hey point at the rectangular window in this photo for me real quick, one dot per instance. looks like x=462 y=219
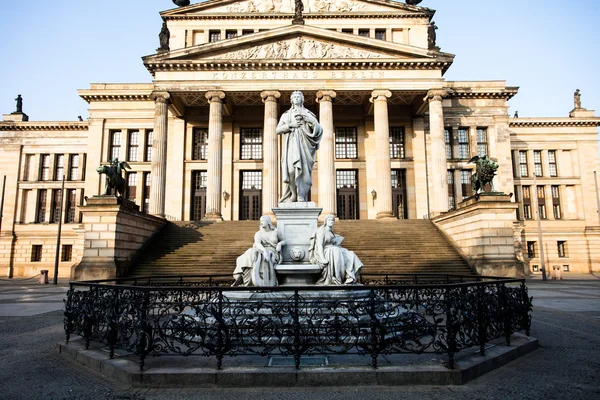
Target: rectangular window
x=516 y=192
x=230 y=34
x=523 y=163
x=448 y=140
x=380 y=34
x=36 y=253
x=565 y=268
x=67 y=252
x=59 y=169
x=363 y=32
x=556 y=202
x=346 y=145
x=451 y=196
x=74 y=171
x=26 y=196
x=251 y=144
x=465 y=180
x=147 y=181
x=347 y=30
x=131 y=186
x=55 y=210
x=346 y=178
x=134 y=142
x=397 y=148
x=200 y=150
x=463 y=144
x=149 y=134
x=41 y=206
x=535 y=268
x=27 y=166
x=527 y=202
x=537 y=162
x=531 y=249
x=214 y=35
x=251 y=180
x=247 y=32
x=482 y=142
x=552 y=161
x=562 y=248
x=71 y=206
x=115 y=145
x=45 y=167
x=541 y=193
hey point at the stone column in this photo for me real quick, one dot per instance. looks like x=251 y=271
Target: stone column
x=270 y=164
x=438 y=175
x=327 y=186
x=159 y=153
x=215 y=155
x=382 y=144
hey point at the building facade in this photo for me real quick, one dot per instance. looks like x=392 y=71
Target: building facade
x=201 y=140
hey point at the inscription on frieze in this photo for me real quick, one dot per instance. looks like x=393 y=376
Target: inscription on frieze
x=297 y=75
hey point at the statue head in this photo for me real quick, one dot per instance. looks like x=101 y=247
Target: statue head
x=265 y=222
x=297 y=98
x=329 y=220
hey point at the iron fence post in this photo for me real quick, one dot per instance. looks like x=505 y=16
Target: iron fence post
x=374 y=323
x=296 y=329
x=506 y=314
x=451 y=335
x=481 y=319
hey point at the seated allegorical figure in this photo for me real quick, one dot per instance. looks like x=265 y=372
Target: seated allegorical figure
x=256 y=267
x=339 y=266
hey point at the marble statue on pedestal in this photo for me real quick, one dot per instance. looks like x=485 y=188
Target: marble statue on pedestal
x=114 y=177
x=339 y=266
x=302 y=134
x=256 y=267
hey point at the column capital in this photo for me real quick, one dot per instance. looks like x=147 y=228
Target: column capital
x=435 y=95
x=161 y=97
x=326 y=95
x=270 y=95
x=380 y=95
x=215 y=96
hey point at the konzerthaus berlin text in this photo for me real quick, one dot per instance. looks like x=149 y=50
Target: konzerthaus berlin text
x=201 y=140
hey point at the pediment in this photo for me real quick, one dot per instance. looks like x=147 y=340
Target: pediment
x=212 y=7
x=298 y=42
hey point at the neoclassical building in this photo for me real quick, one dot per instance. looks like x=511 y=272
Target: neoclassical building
x=201 y=139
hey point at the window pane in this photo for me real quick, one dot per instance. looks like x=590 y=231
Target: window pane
x=251 y=146
x=200 y=150
x=346 y=143
x=397 y=148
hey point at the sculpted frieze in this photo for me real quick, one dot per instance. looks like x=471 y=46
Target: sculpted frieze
x=299 y=48
x=286 y=6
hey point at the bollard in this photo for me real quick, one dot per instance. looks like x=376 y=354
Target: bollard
x=44 y=277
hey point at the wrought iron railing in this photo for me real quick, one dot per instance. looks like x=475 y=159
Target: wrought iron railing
x=388 y=314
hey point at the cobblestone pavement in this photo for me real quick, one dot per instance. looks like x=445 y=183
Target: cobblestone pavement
x=566 y=320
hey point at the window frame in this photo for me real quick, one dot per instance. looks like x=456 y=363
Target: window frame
x=251 y=143
x=344 y=149
x=397 y=143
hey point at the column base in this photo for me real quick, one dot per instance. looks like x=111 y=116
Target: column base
x=213 y=217
x=385 y=215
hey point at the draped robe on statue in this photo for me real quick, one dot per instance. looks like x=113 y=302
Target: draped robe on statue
x=299 y=148
x=339 y=266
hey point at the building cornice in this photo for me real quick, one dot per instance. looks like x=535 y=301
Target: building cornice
x=553 y=122
x=44 y=126
x=505 y=94
x=307 y=17
x=89 y=97
x=225 y=65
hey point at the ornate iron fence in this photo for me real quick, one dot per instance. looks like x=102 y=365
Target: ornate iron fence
x=392 y=314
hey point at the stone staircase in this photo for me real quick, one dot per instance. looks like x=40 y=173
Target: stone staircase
x=398 y=246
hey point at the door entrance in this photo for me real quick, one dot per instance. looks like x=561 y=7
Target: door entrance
x=251 y=195
x=347 y=194
x=198 y=195
x=399 y=193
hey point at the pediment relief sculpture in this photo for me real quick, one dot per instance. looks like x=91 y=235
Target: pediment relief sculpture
x=298 y=48
x=310 y=6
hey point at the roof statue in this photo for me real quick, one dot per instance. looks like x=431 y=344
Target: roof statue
x=413 y=2
x=164 y=36
x=19 y=101
x=182 y=3
x=577 y=99
x=298 y=17
x=432 y=36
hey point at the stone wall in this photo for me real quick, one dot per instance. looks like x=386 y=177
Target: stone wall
x=482 y=229
x=114 y=235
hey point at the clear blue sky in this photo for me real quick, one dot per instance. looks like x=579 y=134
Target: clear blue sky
x=49 y=49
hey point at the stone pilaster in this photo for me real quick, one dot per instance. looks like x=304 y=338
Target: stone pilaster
x=438 y=175
x=159 y=153
x=327 y=187
x=382 y=144
x=215 y=155
x=270 y=165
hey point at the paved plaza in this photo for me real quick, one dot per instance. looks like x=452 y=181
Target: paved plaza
x=566 y=320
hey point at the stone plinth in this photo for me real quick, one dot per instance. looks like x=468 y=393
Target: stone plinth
x=115 y=232
x=297 y=222
x=482 y=229
x=15 y=117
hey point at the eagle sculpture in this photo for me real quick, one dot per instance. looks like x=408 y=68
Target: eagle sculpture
x=182 y=3
x=484 y=173
x=413 y=2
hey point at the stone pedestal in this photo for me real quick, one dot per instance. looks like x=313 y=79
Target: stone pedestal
x=115 y=232
x=297 y=222
x=482 y=229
